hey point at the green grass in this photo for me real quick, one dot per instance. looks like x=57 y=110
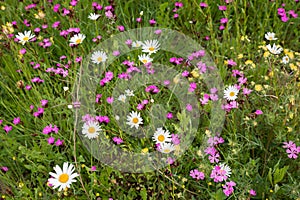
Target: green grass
x=253 y=143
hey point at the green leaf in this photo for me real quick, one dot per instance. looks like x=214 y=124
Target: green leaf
x=279 y=174
x=143 y=193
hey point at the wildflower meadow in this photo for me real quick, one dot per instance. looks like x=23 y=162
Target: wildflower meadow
x=115 y=99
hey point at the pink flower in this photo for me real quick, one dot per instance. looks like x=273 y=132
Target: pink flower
x=289 y=144
x=93 y=168
x=50 y=140
x=175 y=139
x=59 y=142
x=222 y=8
x=152 y=22
x=16 y=120
x=228 y=188
x=189 y=107
x=203 y=5
x=7 y=128
x=157 y=32
x=170 y=160
x=175 y=16
x=252 y=192
x=44 y=102
x=169 y=115
x=22 y=51
x=197 y=174
x=56 y=7
x=116 y=53
x=246 y=91
x=231 y=62
x=117 y=140
x=121 y=28
x=258 y=112
x=224 y=20
x=110 y=100
x=4 y=169
x=139 y=20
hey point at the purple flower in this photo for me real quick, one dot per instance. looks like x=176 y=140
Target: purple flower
x=44 y=102
x=3 y=168
x=22 y=51
x=222 y=8
x=56 y=7
x=110 y=100
x=93 y=168
x=258 y=112
x=252 y=192
x=16 y=120
x=224 y=20
x=59 y=142
x=152 y=22
x=139 y=20
x=197 y=174
x=50 y=140
x=203 y=5
x=169 y=115
x=175 y=139
x=121 y=28
x=7 y=128
x=189 y=107
x=117 y=140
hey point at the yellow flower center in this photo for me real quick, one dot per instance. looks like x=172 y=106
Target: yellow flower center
x=26 y=38
x=63 y=178
x=78 y=41
x=144 y=61
x=167 y=150
x=135 y=120
x=92 y=130
x=231 y=94
x=151 y=49
x=161 y=138
x=99 y=59
x=270 y=38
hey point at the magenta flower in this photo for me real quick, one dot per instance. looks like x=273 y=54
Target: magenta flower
x=116 y=53
x=121 y=28
x=258 y=112
x=152 y=22
x=56 y=7
x=110 y=100
x=22 y=51
x=44 y=102
x=170 y=160
x=169 y=115
x=157 y=32
x=7 y=128
x=203 y=5
x=16 y=120
x=50 y=140
x=4 y=169
x=189 y=107
x=175 y=139
x=139 y=20
x=222 y=8
x=252 y=192
x=228 y=188
x=117 y=140
x=289 y=144
x=93 y=168
x=59 y=142
x=185 y=73
x=224 y=20
x=197 y=174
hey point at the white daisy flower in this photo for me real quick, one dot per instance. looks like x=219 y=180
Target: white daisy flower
x=77 y=39
x=91 y=129
x=150 y=46
x=134 y=120
x=231 y=93
x=64 y=177
x=122 y=98
x=161 y=136
x=145 y=58
x=129 y=93
x=225 y=168
x=66 y=88
x=98 y=57
x=270 y=36
x=166 y=147
x=23 y=38
x=93 y=16
x=274 y=49
x=136 y=44
x=285 y=59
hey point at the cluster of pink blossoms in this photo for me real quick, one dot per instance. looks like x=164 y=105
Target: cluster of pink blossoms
x=291 y=149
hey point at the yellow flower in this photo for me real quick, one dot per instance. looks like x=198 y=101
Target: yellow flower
x=145 y=150
x=195 y=73
x=258 y=88
x=289 y=129
x=225 y=62
x=40 y=15
x=240 y=56
x=291 y=55
x=2 y=7
x=293 y=67
x=266 y=54
x=250 y=62
x=21 y=185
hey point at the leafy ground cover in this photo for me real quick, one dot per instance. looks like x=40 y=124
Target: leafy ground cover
x=236 y=137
